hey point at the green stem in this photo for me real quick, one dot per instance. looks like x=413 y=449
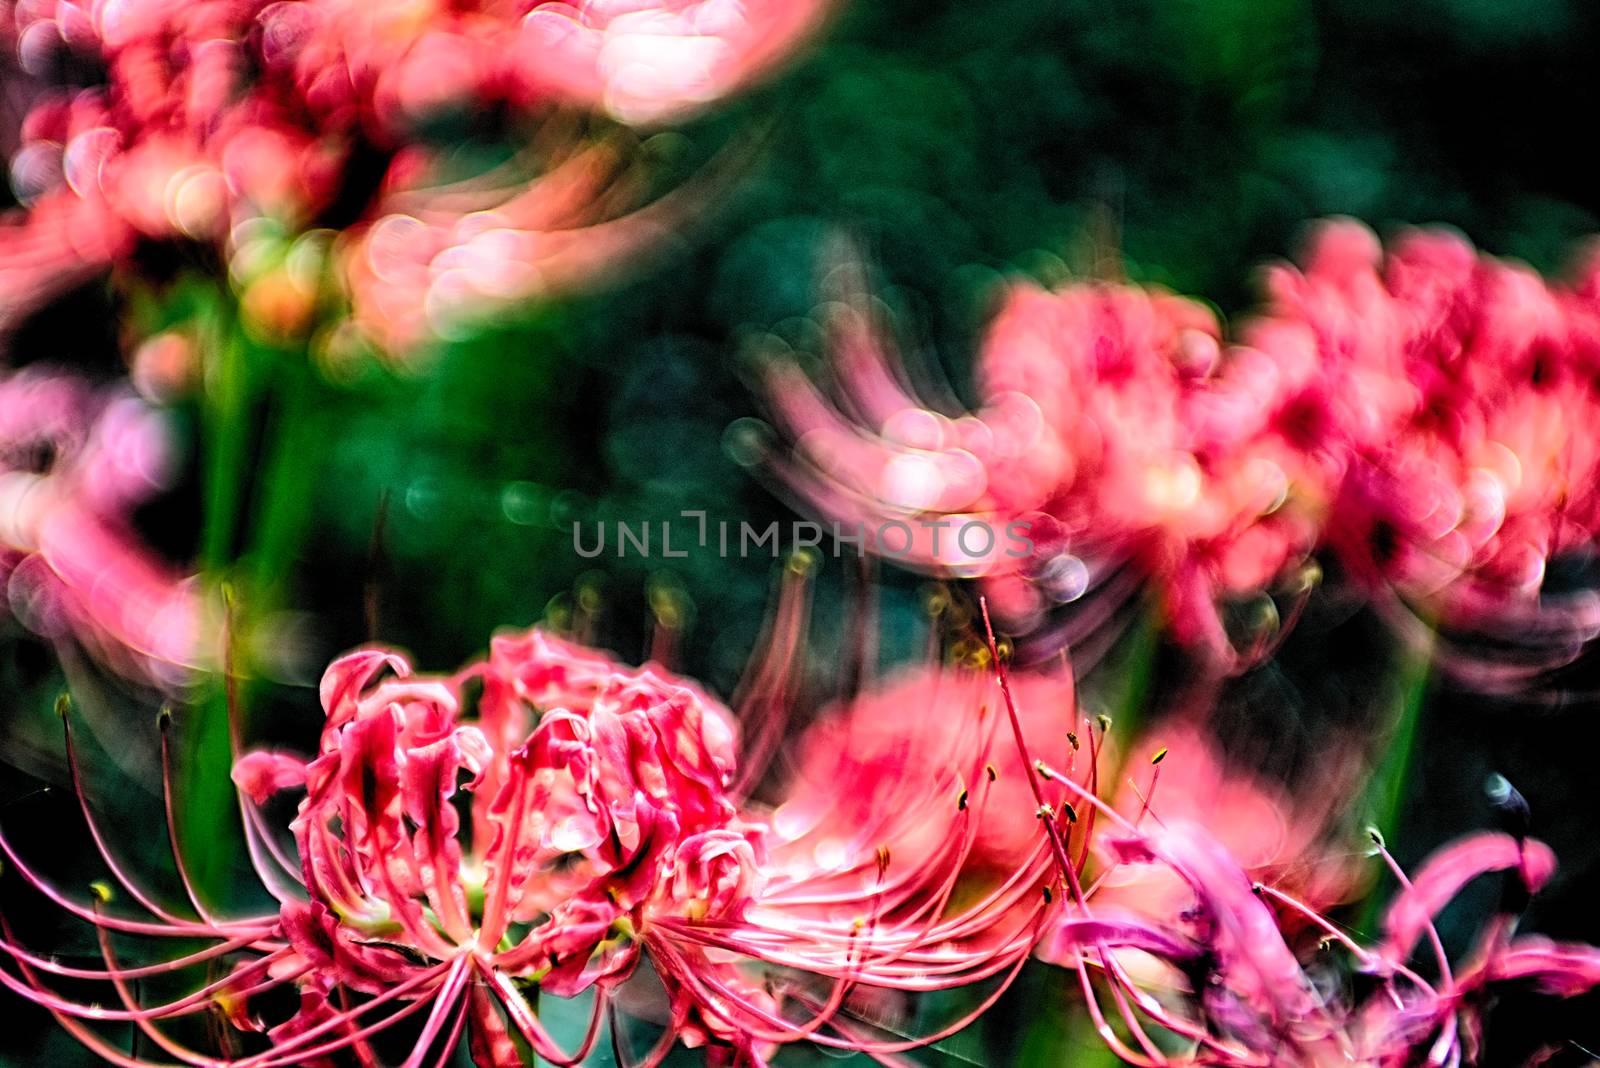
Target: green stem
x=208 y=827
x=283 y=500
x=225 y=429
x=1386 y=791
x=244 y=373
x=1137 y=668
x=209 y=841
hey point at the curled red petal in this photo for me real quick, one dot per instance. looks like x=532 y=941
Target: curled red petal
x=262 y=774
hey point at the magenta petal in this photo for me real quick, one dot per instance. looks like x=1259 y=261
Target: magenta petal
x=1069 y=938
x=1444 y=874
x=1247 y=933
x=1561 y=969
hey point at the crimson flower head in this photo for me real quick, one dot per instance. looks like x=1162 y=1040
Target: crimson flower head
x=597 y=804
x=547 y=821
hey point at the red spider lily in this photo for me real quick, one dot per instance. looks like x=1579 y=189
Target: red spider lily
x=1116 y=427
x=219 y=114
x=1461 y=388
x=1422 y=414
x=73 y=464
x=1233 y=991
x=603 y=834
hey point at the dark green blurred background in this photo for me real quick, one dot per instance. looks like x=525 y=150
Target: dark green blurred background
x=1184 y=141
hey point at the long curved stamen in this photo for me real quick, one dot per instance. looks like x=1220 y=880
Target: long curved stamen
x=64 y=710
x=1057 y=846
x=1096 y=745
x=165 y=720
x=53 y=967
x=1434 y=941
x=32 y=988
x=1147 y=796
x=658 y=1052
x=142 y=1018
x=765 y=697
x=527 y=1022
x=257 y=837
x=190 y=1003
x=905 y=965
x=1366 y=957
x=452 y=1042
x=1102 y=1027
x=266 y=856
x=177 y=929
x=75 y=1027
x=1153 y=1053
x=445 y=1003
x=724 y=993
x=1038 y=770
x=1445 y=1047
x=279 y=1055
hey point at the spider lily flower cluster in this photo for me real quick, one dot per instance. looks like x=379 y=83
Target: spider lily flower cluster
x=603 y=848
x=227 y=122
x=1418 y=414
x=74 y=462
x=578 y=827
x=1218 y=982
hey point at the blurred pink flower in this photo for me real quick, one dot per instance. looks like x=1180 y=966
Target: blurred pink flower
x=867 y=759
x=1287 y=839
x=62 y=242
x=74 y=462
x=184 y=140
x=438 y=257
x=1212 y=963
x=1115 y=425
x=1461 y=388
x=641 y=61
x=1422 y=414
x=219 y=114
x=656 y=60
